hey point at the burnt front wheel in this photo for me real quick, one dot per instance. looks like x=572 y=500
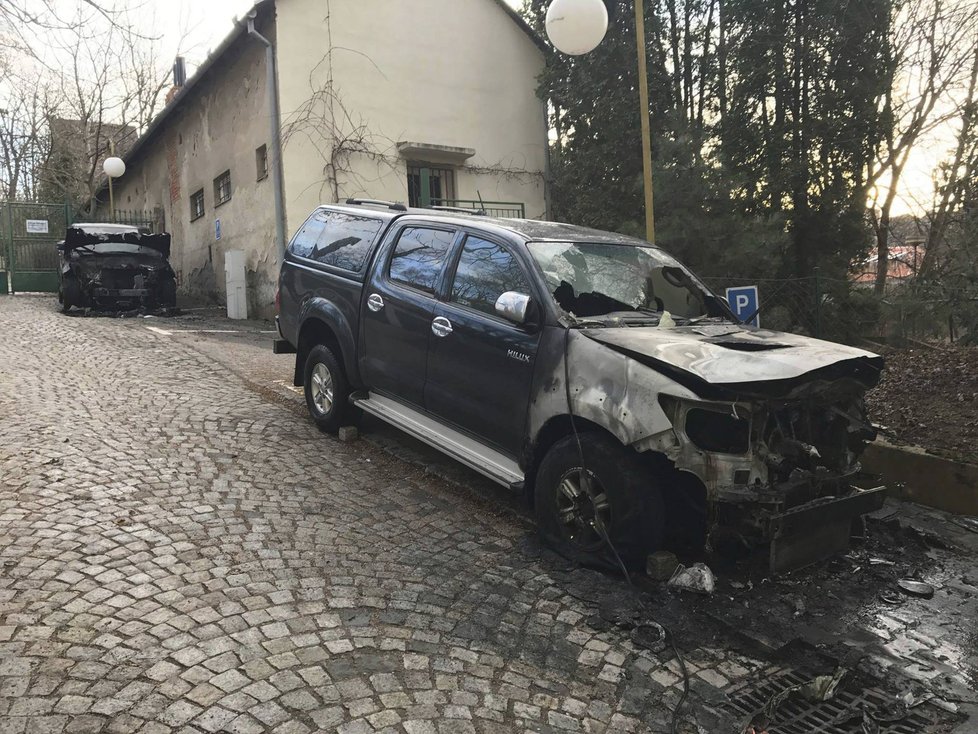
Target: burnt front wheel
x=69 y=294
x=611 y=500
x=327 y=390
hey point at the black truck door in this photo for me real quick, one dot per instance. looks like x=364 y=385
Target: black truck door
x=480 y=366
x=399 y=308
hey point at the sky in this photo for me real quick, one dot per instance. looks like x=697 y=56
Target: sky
x=195 y=27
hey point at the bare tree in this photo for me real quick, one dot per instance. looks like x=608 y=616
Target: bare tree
x=109 y=84
x=25 y=105
x=959 y=173
x=931 y=50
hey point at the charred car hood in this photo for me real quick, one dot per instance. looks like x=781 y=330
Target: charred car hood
x=76 y=237
x=734 y=356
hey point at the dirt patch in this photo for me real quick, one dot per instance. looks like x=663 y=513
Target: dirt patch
x=929 y=397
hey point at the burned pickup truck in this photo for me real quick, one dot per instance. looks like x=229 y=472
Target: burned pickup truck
x=589 y=370
x=115 y=267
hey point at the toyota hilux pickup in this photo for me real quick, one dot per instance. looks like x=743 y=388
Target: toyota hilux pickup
x=589 y=370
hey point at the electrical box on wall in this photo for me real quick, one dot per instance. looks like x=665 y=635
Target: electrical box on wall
x=234 y=273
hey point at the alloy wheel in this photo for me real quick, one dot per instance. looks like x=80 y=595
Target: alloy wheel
x=322 y=388
x=583 y=509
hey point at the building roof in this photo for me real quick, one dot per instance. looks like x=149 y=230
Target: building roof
x=524 y=26
x=240 y=29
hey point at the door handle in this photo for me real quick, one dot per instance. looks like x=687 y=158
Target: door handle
x=441 y=326
x=375 y=303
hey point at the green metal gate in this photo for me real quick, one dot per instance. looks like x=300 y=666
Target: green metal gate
x=29 y=233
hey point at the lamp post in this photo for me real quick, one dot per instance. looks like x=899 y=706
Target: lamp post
x=577 y=27
x=113 y=167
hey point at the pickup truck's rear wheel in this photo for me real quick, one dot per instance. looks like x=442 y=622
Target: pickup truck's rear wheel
x=327 y=390
x=616 y=500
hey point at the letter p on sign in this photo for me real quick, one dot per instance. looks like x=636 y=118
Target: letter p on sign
x=744 y=301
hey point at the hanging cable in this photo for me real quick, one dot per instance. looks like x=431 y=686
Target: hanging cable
x=602 y=531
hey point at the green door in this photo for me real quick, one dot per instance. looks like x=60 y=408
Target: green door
x=30 y=233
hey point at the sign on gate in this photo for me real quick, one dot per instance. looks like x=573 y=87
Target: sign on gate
x=745 y=302
x=36 y=226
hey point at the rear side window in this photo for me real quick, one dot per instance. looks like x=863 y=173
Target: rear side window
x=337 y=239
x=486 y=271
x=418 y=258
x=346 y=240
x=305 y=240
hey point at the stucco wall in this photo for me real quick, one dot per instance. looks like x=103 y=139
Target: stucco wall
x=446 y=72
x=217 y=127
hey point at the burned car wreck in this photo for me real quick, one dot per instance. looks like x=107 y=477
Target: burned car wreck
x=114 y=267
x=591 y=371
x=761 y=431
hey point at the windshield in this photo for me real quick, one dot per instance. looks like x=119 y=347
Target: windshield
x=589 y=280
x=117 y=248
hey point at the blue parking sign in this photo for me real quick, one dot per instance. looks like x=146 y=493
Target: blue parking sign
x=744 y=301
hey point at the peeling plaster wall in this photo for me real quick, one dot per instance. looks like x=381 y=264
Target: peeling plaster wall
x=218 y=126
x=448 y=72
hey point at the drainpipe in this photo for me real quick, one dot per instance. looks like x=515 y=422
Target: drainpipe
x=271 y=74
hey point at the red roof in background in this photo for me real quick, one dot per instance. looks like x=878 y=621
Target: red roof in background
x=904 y=261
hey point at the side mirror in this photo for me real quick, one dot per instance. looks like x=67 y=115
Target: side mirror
x=513 y=306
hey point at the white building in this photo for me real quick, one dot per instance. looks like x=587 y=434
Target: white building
x=417 y=101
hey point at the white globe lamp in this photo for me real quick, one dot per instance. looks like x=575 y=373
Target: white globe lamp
x=576 y=27
x=114 y=167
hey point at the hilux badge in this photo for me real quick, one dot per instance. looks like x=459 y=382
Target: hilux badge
x=519 y=356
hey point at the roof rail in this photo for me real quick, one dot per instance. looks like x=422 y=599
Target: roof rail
x=460 y=210
x=377 y=202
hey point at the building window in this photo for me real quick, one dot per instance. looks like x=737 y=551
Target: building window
x=440 y=190
x=222 y=188
x=261 y=162
x=196 y=205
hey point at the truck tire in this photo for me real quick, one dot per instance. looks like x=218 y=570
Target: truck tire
x=327 y=390
x=68 y=293
x=622 y=491
x=168 y=293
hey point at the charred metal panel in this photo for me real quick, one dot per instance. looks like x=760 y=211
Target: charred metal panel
x=606 y=387
x=732 y=355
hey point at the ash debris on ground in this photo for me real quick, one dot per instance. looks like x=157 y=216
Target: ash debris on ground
x=928 y=396
x=848 y=612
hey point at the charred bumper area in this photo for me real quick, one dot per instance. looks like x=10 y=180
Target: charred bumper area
x=778 y=471
x=126 y=288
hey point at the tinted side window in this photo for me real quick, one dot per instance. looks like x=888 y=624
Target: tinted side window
x=345 y=241
x=418 y=257
x=305 y=240
x=486 y=271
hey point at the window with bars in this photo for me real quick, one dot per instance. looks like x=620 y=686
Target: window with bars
x=440 y=185
x=197 y=205
x=261 y=162
x=222 y=188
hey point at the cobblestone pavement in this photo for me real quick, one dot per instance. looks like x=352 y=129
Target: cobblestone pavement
x=179 y=552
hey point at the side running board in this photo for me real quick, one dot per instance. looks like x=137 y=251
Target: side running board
x=498 y=467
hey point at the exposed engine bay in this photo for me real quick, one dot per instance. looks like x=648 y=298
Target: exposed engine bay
x=771 y=425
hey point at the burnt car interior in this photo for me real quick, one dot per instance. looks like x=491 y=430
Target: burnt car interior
x=594 y=280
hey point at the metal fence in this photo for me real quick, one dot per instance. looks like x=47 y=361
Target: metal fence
x=30 y=230
x=507 y=209
x=843 y=311
x=151 y=219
